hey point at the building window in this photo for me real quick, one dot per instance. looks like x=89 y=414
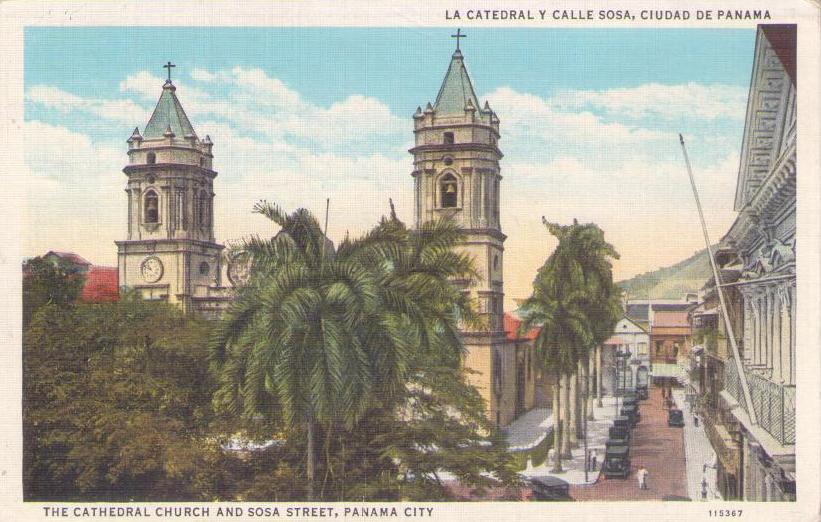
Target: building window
x=151 y=158
x=448 y=161
x=203 y=209
x=496 y=261
x=204 y=268
x=659 y=347
x=152 y=207
x=447 y=138
x=449 y=189
x=642 y=348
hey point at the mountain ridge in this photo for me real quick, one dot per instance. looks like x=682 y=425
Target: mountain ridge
x=671 y=282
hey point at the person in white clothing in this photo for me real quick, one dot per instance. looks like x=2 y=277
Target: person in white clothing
x=642 y=477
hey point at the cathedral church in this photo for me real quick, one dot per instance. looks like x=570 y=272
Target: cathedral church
x=171 y=254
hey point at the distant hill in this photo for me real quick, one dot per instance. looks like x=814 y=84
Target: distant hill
x=671 y=282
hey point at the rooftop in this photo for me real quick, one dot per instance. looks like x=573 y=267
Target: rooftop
x=101 y=285
x=168 y=114
x=670 y=319
x=457 y=89
x=511 y=325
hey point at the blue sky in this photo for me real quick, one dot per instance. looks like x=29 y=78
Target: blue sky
x=588 y=120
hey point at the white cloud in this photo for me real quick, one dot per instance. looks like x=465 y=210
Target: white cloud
x=252 y=102
x=654 y=100
x=54 y=98
x=75 y=193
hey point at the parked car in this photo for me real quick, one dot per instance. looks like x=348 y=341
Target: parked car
x=549 y=488
x=631 y=412
x=642 y=392
x=616 y=462
x=622 y=421
x=619 y=433
x=675 y=417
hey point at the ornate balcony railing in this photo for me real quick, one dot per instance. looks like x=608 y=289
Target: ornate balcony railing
x=722 y=442
x=774 y=403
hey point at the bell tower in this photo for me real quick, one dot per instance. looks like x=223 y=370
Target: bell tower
x=456 y=174
x=170 y=253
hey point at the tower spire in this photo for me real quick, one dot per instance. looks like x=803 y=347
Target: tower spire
x=168 y=66
x=456 y=90
x=458 y=35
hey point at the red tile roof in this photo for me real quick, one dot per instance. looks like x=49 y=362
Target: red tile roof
x=511 y=325
x=670 y=319
x=101 y=285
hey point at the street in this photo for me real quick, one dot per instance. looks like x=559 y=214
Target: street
x=657 y=447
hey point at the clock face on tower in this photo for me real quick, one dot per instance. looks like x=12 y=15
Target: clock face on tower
x=151 y=269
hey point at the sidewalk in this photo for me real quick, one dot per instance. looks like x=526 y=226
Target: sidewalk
x=573 y=468
x=698 y=451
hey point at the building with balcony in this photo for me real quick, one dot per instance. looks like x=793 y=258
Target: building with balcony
x=709 y=357
x=761 y=419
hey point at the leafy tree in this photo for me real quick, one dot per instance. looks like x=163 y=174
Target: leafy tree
x=45 y=282
x=346 y=345
x=116 y=405
x=575 y=305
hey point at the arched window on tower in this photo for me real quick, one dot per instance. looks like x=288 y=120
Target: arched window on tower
x=447 y=138
x=449 y=191
x=151 y=158
x=152 y=207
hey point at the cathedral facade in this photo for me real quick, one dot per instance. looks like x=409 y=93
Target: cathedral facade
x=171 y=254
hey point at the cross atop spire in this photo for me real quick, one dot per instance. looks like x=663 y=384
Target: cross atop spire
x=169 y=65
x=458 y=35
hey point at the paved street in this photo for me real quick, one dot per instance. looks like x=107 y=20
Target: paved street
x=658 y=448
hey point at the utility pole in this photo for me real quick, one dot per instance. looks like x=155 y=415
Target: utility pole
x=727 y=324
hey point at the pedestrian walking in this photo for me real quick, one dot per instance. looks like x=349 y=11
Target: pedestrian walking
x=594 y=457
x=642 y=477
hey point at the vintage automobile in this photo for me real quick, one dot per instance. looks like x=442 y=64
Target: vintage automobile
x=641 y=392
x=549 y=488
x=622 y=421
x=631 y=412
x=631 y=401
x=619 y=434
x=616 y=462
x=675 y=417
x=613 y=442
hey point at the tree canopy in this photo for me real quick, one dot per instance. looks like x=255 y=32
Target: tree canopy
x=363 y=338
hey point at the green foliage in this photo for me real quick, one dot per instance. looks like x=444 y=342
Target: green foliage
x=536 y=455
x=708 y=337
x=45 y=282
x=342 y=345
x=574 y=302
x=116 y=405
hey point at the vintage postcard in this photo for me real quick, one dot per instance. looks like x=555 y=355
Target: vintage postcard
x=413 y=261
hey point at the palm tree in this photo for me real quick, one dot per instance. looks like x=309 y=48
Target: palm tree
x=571 y=303
x=319 y=336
